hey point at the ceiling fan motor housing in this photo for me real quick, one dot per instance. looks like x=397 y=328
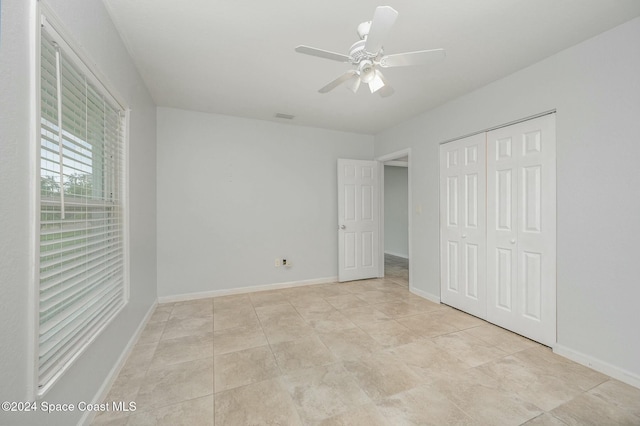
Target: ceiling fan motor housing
x=358 y=54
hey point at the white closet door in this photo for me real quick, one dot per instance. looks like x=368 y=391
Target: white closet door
x=521 y=228
x=463 y=224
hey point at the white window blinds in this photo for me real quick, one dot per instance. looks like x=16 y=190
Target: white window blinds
x=82 y=250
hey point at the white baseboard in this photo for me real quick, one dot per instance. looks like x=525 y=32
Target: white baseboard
x=404 y=256
x=89 y=415
x=430 y=297
x=598 y=365
x=240 y=290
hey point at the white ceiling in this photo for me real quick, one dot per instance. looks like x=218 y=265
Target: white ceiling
x=237 y=57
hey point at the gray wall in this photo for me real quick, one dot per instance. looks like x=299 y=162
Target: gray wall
x=89 y=24
x=234 y=194
x=396 y=215
x=595 y=87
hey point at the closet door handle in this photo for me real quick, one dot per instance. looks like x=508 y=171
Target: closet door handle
x=513 y=241
x=464 y=235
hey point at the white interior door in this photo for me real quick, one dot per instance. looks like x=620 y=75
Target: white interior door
x=521 y=228
x=357 y=219
x=463 y=224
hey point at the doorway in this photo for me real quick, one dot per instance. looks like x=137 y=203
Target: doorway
x=395 y=217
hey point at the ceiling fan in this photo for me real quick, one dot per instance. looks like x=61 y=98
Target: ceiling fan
x=368 y=55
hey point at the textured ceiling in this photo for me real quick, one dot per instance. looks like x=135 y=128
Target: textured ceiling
x=237 y=57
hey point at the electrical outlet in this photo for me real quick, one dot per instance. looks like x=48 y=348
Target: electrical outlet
x=284 y=262
x=277 y=262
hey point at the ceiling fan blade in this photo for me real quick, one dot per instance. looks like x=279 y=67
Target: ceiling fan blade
x=354 y=84
x=383 y=20
x=338 y=81
x=323 y=53
x=421 y=57
x=386 y=90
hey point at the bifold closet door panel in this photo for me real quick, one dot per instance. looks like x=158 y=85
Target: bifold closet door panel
x=463 y=224
x=521 y=228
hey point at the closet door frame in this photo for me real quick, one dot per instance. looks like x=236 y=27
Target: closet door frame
x=519 y=250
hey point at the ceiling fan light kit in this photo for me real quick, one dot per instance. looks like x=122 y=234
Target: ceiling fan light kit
x=367 y=55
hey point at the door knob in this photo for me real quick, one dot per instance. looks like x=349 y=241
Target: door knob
x=342 y=227
x=464 y=235
x=513 y=241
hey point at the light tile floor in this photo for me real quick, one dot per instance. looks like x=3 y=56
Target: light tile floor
x=358 y=353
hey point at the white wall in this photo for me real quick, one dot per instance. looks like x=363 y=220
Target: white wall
x=396 y=215
x=89 y=24
x=234 y=194
x=595 y=87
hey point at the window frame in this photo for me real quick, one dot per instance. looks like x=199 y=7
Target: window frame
x=44 y=17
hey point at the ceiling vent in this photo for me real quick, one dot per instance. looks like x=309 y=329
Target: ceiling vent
x=285 y=116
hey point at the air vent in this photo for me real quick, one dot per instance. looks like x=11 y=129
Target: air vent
x=285 y=116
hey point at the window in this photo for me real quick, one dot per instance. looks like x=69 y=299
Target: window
x=81 y=258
